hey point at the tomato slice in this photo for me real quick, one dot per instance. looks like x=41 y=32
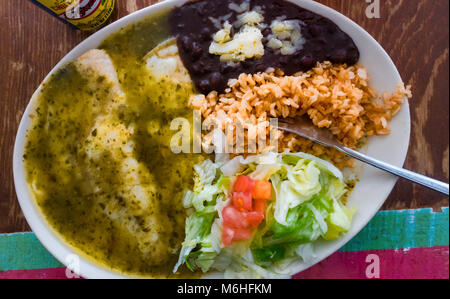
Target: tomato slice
x=259 y=205
x=242 y=201
x=262 y=190
x=233 y=218
x=254 y=218
x=227 y=235
x=243 y=184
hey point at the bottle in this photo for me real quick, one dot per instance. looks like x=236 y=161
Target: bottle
x=82 y=14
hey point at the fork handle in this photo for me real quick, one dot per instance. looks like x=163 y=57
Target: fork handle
x=409 y=175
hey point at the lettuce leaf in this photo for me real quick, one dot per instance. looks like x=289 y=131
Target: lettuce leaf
x=302 y=225
x=308 y=193
x=324 y=165
x=269 y=254
x=302 y=182
x=198 y=226
x=205 y=173
x=339 y=221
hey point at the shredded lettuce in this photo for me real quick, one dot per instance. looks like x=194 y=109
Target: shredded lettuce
x=305 y=206
x=200 y=229
x=205 y=196
x=302 y=182
x=198 y=226
x=205 y=173
x=324 y=165
x=306 y=252
x=269 y=254
x=339 y=221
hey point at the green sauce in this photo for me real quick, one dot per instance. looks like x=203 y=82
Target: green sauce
x=78 y=194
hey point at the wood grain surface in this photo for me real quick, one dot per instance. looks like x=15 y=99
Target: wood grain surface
x=413 y=32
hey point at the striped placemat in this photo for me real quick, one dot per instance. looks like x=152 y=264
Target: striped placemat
x=395 y=244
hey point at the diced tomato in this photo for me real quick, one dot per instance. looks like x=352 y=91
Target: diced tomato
x=230 y=234
x=242 y=234
x=247 y=210
x=259 y=205
x=227 y=235
x=243 y=184
x=254 y=218
x=233 y=218
x=262 y=190
x=242 y=201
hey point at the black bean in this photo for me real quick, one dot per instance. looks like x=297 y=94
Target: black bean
x=314 y=30
x=226 y=68
x=324 y=41
x=352 y=55
x=260 y=67
x=307 y=61
x=332 y=28
x=318 y=49
x=245 y=64
x=284 y=60
x=203 y=9
x=205 y=33
x=215 y=80
x=177 y=13
x=267 y=31
x=197 y=68
x=306 y=15
x=204 y=84
x=339 y=56
x=186 y=42
x=197 y=50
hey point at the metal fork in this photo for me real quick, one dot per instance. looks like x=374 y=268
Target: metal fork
x=306 y=129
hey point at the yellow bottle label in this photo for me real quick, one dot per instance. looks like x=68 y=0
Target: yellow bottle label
x=83 y=14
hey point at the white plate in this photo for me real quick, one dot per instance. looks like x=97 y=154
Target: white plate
x=368 y=196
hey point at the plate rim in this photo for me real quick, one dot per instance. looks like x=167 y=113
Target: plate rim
x=59 y=247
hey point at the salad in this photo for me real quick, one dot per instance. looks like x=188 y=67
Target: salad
x=253 y=217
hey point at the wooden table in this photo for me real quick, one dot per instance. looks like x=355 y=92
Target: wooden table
x=413 y=32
